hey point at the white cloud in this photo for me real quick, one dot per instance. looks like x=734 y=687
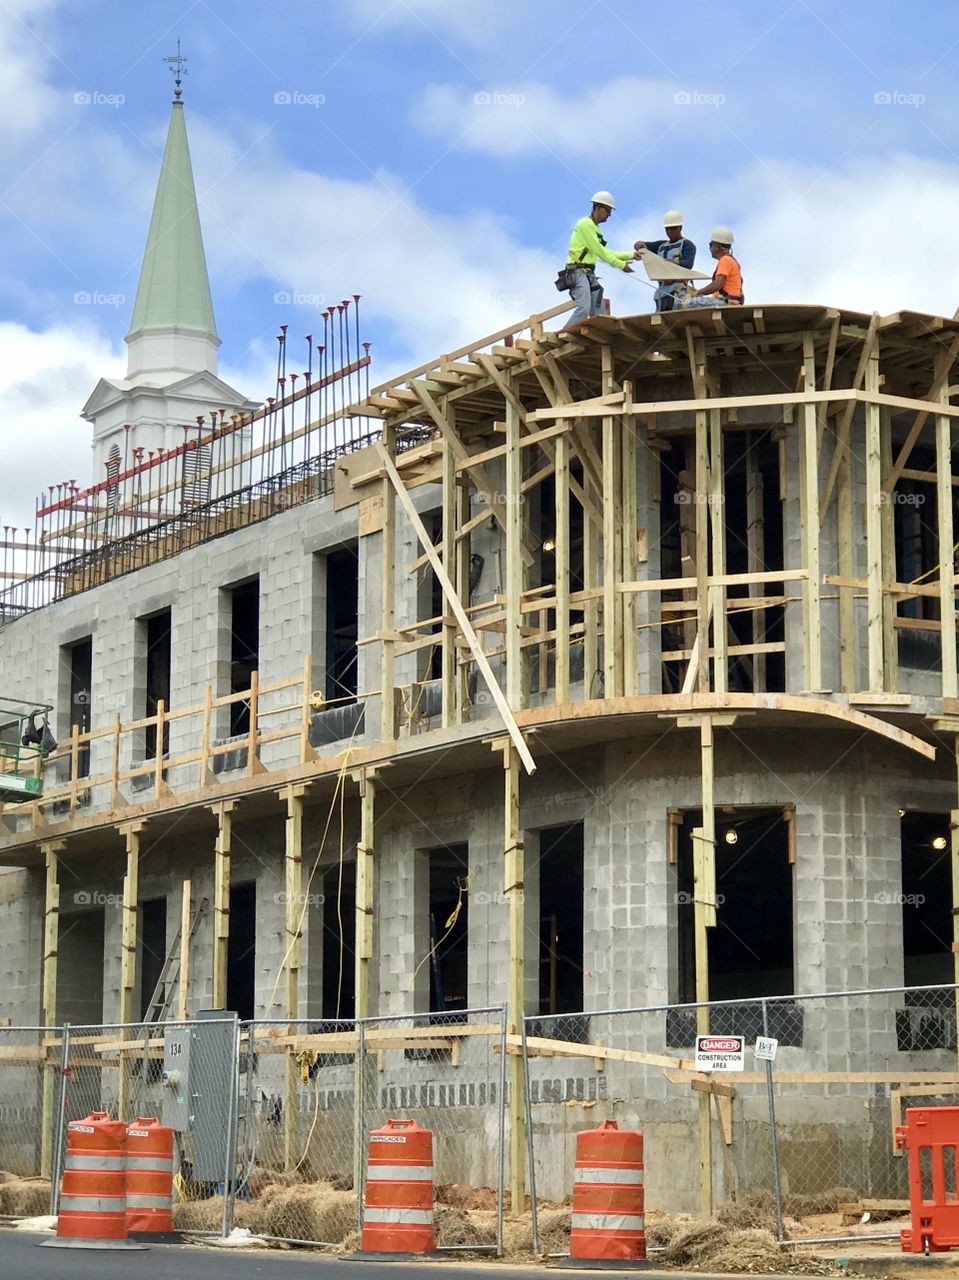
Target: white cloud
x=28 y=103
x=474 y=21
x=613 y=120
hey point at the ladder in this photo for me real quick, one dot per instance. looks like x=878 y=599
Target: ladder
x=162 y=998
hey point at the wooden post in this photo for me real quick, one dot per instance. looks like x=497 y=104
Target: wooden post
x=717 y=529
x=462 y=589
x=809 y=507
x=873 y=530
x=51 y=943
x=388 y=595
x=947 y=590
x=702 y=552
x=448 y=655
x=221 y=899
x=293 y=863
x=205 y=745
x=629 y=560
x=612 y=543
x=515 y=894
x=562 y=568
x=185 y=925
x=890 y=651
x=306 y=751
x=365 y=890
x=848 y=646
x=128 y=954
x=158 y=787
x=515 y=663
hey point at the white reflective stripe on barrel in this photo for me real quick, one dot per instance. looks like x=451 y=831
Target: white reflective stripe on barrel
x=608 y=1221
x=95 y=1164
x=92 y=1204
x=400 y=1172
x=135 y=1201
x=421 y=1217
x=633 y=1177
x=149 y=1164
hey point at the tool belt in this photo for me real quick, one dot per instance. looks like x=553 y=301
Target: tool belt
x=735 y=298
x=567 y=276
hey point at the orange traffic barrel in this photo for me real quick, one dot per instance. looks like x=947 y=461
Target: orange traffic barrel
x=93 y=1189
x=149 y=1176
x=608 y=1196
x=398 y=1206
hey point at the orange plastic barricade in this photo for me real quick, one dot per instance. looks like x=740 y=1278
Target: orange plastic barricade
x=931 y=1137
x=149 y=1176
x=398 y=1206
x=93 y=1189
x=608 y=1195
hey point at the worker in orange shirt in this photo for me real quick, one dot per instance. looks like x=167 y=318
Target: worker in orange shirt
x=726 y=287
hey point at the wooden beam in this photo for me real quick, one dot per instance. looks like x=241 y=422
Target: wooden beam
x=292 y=957
x=612 y=543
x=562 y=569
x=890 y=653
x=717 y=530
x=938 y=391
x=513 y=574
x=51 y=943
x=449 y=553
x=874 y=499
x=456 y=605
x=186 y=912
x=629 y=559
x=947 y=590
x=128 y=949
x=809 y=480
x=388 y=594
x=223 y=850
x=515 y=891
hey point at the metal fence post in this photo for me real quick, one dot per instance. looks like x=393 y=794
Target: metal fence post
x=774 y=1138
x=501 y=1184
x=359 y=1127
x=229 y=1176
x=60 y=1122
x=530 y=1146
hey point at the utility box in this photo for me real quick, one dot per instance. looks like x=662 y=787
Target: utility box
x=213 y=1089
x=177 y=1098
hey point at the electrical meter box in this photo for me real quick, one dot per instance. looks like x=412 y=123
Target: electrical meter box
x=177 y=1096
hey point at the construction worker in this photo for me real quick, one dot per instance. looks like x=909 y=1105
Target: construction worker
x=675 y=248
x=726 y=287
x=585 y=246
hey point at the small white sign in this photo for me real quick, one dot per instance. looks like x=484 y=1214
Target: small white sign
x=766 y=1048
x=720 y=1053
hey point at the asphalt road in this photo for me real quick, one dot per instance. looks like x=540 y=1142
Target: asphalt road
x=21 y=1259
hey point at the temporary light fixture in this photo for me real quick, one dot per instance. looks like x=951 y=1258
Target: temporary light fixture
x=902 y=813
x=731 y=835
x=939 y=842
x=549 y=545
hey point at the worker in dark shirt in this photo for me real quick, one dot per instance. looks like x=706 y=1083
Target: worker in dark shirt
x=675 y=248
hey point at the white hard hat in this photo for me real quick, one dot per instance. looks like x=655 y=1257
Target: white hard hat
x=721 y=235
x=604 y=197
x=672 y=218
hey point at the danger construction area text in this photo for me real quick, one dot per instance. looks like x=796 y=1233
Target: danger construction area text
x=720 y=1053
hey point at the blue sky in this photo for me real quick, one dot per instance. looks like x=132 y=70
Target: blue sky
x=432 y=155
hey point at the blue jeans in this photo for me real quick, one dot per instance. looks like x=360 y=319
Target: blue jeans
x=587 y=293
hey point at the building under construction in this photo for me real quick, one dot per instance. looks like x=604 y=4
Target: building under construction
x=602 y=669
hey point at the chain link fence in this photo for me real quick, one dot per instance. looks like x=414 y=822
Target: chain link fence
x=31 y=1059
x=795 y=1138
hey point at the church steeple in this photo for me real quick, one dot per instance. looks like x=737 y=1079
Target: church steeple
x=173 y=327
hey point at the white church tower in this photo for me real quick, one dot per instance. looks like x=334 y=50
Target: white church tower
x=172 y=343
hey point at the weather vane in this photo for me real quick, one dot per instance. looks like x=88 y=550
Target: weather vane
x=177 y=66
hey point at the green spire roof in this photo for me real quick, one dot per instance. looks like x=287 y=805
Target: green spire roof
x=174 y=289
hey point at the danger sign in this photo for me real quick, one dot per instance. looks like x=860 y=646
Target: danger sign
x=720 y=1053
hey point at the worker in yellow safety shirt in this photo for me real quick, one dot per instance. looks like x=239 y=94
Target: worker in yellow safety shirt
x=585 y=246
